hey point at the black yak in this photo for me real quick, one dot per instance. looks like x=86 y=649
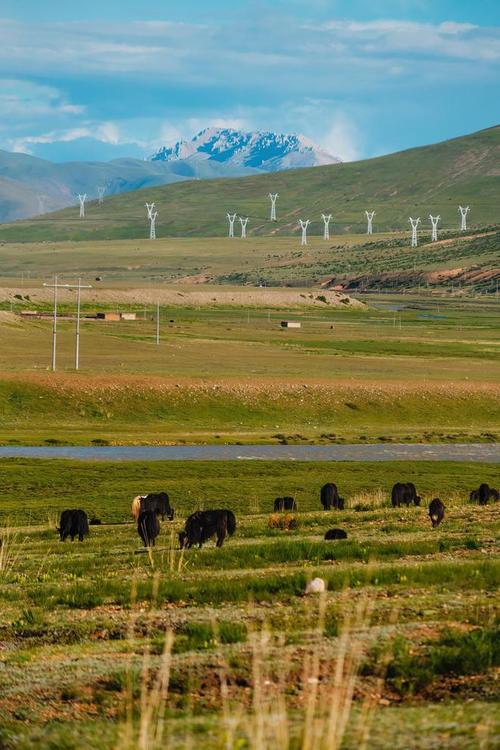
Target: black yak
x=329 y=497
x=148 y=527
x=404 y=493
x=203 y=524
x=335 y=534
x=436 y=512
x=284 y=503
x=158 y=502
x=73 y=523
x=484 y=494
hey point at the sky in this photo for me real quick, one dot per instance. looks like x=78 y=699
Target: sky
x=117 y=78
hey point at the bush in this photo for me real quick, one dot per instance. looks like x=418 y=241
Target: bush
x=454 y=654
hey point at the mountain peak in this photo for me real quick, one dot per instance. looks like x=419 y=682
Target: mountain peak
x=264 y=151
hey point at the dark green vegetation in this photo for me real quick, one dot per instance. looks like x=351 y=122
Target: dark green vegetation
x=427 y=371
x=455 y=653
x=433 y=179
x=84 y=626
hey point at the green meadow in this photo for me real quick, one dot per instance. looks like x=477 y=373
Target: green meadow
x=106 y=646
x=426 y=370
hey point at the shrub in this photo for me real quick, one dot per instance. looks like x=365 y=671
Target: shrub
x=455 y=653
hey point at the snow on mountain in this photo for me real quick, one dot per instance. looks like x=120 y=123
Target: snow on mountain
x=267 y=152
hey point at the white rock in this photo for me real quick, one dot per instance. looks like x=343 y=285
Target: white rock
x=316 y=586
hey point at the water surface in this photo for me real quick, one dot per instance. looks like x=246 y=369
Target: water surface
x=371 y=452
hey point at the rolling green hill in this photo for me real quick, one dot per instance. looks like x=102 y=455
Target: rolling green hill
x=416 y=182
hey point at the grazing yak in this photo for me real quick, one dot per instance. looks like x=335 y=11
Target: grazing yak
x=157 y=502
x=436 y=512
x=335 y=534
x=329 y=497
x=73 y=523
x=284 y=503
x=203 y=524
x=148 y=527
x=484 y=494
x=404 y=493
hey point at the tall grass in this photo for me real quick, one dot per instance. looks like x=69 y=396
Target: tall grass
x=10 y=551
x=314 y=716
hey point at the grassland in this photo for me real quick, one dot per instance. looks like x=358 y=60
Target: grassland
x=426 y=371
x=84 y=626
x=456 y=264
x=433 y=179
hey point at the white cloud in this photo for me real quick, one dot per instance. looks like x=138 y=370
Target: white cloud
x=342 y=139
x=106 y=132
x=287 y=76
x=249 y=53
x=21 y=99
x=385 y=38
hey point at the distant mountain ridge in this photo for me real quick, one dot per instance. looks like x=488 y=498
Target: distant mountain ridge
x=417 y=182
x=30 y=186
x=265 y=151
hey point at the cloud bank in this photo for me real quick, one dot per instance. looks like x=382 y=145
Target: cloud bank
x=151 y=82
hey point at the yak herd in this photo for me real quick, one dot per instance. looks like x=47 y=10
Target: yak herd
x=202 y=525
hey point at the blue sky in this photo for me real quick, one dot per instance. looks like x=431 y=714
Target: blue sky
x=120 y=78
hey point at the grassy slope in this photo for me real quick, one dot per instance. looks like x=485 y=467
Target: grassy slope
x=430 y=179
x=74 y=634
x=274 y=261
x=234 y=376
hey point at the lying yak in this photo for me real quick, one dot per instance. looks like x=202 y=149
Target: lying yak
x=404 y=493
x=73 y=523
x=148 y=527
x=436 y=512
x=335 y=534
x=203 y=524
x=284 y=503
x=157 y=502
x=329 y=497
x=484 y=494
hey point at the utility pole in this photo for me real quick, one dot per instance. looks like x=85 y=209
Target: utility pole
x=273 y=198
x=303 y=226
x=369 y=216
x=55 y=286
x=231 y=219
x=414 y=226
x=82 y=199
x=464 y=210
x=326 y=220
x=77 y=347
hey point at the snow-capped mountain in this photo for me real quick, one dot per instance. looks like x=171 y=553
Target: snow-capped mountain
x=29 y=185
x=266 y=152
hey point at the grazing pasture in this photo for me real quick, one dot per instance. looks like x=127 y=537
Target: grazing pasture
x=102 y=647
x=458 y=263
x=407 y=369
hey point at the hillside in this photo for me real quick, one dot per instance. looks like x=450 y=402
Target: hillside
x=434 y=178
x=30 y=186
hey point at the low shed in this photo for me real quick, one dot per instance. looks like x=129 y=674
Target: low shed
x=116 y=316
